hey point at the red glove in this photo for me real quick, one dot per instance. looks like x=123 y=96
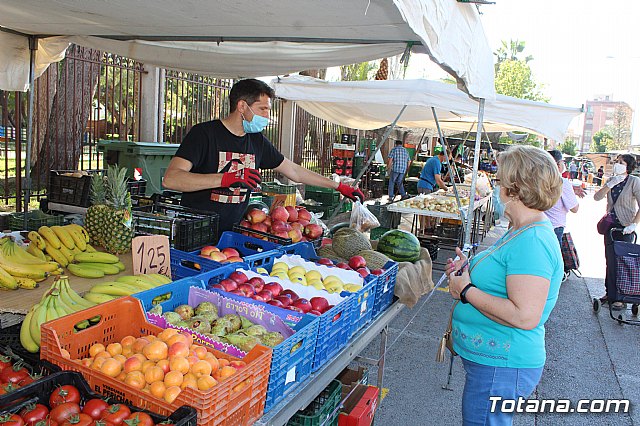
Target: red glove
x=245 y=178
x=350 y=192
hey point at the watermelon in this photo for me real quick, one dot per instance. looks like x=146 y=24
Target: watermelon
x=399 y=245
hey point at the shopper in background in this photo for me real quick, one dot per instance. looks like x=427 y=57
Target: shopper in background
x=573 y=170
x=509 y=291
x=398 y=164
x=623 y=199
x=568 y=202
x=585 y=171
x=431 y=174
x=599 y=176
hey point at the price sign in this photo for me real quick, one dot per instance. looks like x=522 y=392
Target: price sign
x=151 y=255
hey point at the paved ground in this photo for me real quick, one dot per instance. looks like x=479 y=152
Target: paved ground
x=589 y=356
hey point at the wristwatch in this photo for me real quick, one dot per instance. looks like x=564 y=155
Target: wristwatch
x=463 y=293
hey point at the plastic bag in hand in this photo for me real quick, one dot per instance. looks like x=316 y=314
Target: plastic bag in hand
x=362 y=219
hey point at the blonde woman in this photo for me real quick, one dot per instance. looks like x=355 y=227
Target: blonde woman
x=508 y=291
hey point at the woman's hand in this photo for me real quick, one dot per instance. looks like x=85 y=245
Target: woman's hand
x=457 y=282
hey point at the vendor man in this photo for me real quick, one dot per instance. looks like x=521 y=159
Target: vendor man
x=218 y=163
x=431 y=175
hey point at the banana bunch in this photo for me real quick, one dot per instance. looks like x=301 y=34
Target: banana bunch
x=59 y=243
x=58 y=301
x=95 y=265
x=124 y=286
x=19 y=268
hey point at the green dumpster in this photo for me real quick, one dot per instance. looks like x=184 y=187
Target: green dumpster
x=149 y=158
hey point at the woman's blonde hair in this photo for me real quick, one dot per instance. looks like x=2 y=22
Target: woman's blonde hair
x=531 y=175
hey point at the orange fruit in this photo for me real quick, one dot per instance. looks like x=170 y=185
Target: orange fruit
x=111 y=367
x=171 y=393
x=133 y=363
x=65 y=353
x=189 y=381
x=135 y=379
x=146 y=365
x=179 y=349
x=114 y=349
x=157 y=389
x=122 y=376
x=95 y=349
x=201 y=368
x=179 y=363
x=192 y=359
x=167 y=333
x=156 y=350
x=213 y=361
x=86 y=362
x=97 y=363
x=127 y=341
x=121 y=359
x=224 y=372
x=173 y=378
x=223 y=362
x=164 y=364
x=178 y=338
x=206 y=383
x=154 y=374
x=103 y=354
x=199 y=351
x=139 y=344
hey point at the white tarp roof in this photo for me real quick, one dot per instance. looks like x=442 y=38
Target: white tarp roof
x=369 y=105
x=245 y=38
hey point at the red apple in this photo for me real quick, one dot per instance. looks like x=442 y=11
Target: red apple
x=302 y=304
x=265 y=294
x=293 y=213
x=234 y=259
x=237 y=292
x=279 y=226
x=247 y=289
x=357 y=262
x=256 y=216
x=377 y=271
x=295 y=309
x=364 y=272
x=303 y=222
x=230 y=252
x=282 y=234
x=274 y=288
x=245 y=223
x=258 y=298
x=303 y=214
x=319 y=304
x=279 y=213
x=295 y=235
x=276 y=302
x=260 y=227
x=219 y=286
x=257 y=283
x=343 y=265
x=290 y=294
x=207 y=250
x=267 y=222
x=238 y=277
x=325 y=261
x=217 y=256
x=229 y=285
x=285 y=300
x=299 y=227
x=316 y=313
x=313 y=231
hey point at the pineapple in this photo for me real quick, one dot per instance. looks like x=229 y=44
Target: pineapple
x=118 y=219
x=94 y=220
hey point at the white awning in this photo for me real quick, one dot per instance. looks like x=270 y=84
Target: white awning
x=369 y=105
x=245 y=38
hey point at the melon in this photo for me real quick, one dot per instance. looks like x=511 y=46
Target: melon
x=348 y=242
x=327 y=251
x=399 y=245
x=374 y=259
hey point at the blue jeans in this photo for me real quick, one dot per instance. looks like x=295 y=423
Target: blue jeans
x=559 y=231
x=483 y=382
x=396 y=178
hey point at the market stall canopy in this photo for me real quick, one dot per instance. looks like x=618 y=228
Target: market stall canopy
x=369 y=105
x=245 y=38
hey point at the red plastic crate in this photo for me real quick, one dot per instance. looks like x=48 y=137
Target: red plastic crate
x=238 y=400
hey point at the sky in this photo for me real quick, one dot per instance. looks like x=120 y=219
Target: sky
x=581 y=48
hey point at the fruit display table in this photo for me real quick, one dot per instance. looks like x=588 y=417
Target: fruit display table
x=306 y=392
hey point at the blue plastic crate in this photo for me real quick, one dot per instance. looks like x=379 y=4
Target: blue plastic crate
x=177 y=291
x=185 y=264
x=303 y=249
x=385 y=288
x=254 y=252
x=363 y=304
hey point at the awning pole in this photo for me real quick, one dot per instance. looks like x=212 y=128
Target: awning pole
x=476 y=164
x=371 y=158
x=33 y=46
x=446 y=156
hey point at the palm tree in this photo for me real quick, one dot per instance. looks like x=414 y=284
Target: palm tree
x=510 y=51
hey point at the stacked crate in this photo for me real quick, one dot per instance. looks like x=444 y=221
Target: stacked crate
x=343 y=155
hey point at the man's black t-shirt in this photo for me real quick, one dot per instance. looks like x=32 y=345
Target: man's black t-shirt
x=212 y=148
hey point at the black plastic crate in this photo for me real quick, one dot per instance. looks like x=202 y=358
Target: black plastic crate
x=35 y=219
x=39 y=391
x=187 y=229
x=270 y=237
x=75 y=191
x=432 y=245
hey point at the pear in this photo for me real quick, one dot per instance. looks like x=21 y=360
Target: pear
x=244 y=343
x=206 y=307
x=221 y=327
x=245 y=322
x=235 y=320
x=185 y=311
x=157 y=309
x=220 y=339
x=210 y=316
x=172 y=317
x=199 y=324
x=255 y=330
x=271 y=339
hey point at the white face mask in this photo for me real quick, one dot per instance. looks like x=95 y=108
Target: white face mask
x=619 y=169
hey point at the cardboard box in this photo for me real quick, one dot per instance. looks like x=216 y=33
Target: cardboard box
x=351 y=378
x=360 y=408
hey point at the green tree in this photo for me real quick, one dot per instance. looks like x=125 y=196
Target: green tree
x=601 y=139
x=568 y=147
x=514 y=78
x=357 y=72
x=510 y=51
x=621 y=128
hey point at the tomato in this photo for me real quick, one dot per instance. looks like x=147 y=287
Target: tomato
x=116 y=413
x=33 y=413
x=62 y=394
x=29 y=379
x=64 y=411
x=46 y=422
x=102 y=423
x=13 y=374
x=11 y=420
x=78 y=420
x=95 y=407
x=7 y=388
x=5 y=362
x=139 y=419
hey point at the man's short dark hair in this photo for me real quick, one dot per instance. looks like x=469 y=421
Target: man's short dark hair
x=631 y=162
x=398 y=143
x=557 y=155
x=441 y=153
x=249 y=90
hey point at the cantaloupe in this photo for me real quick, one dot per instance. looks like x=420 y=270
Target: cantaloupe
x=348 y=242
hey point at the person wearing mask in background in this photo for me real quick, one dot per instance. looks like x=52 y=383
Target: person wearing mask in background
x=508 y=291
x=218 y=163
x=585 y=171
x=568 y=202
x=398 y=164
x=573 y=170
x=431 y=175
x=599 y=176
x=623 y=200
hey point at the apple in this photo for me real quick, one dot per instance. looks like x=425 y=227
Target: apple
x=302 y=304
x=258 y=298
x=257 y=283
x=364 y=272
x=234 y=259
x=230 y=252
x=282 y=234
x=343 y=265
x=295 y=309
x=314 y=312
x=267 y=222
x=279 y=213
x=217 y=256
x=279 y=226
x=303 y=222
x=247 y=289
x=284 y=300
x=357 y=262
x=206 y=250
x=293 y=213
x=325 y=261
x=238 y=293
x=276 y=302
x=275 y=289
x=256 y=216
x=298 y=226
x=260 y=227
x=245 y=223
x=313 y=231
x=303 y=214
x=219 y=287
x=238 y=277
x=229 y=285
x=377 y=271
x=265 y=294
x=295 y=235
x=319 y=304
x=290 y=294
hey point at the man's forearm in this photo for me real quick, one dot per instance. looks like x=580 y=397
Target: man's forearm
x=179 y=180
x=299 y=174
